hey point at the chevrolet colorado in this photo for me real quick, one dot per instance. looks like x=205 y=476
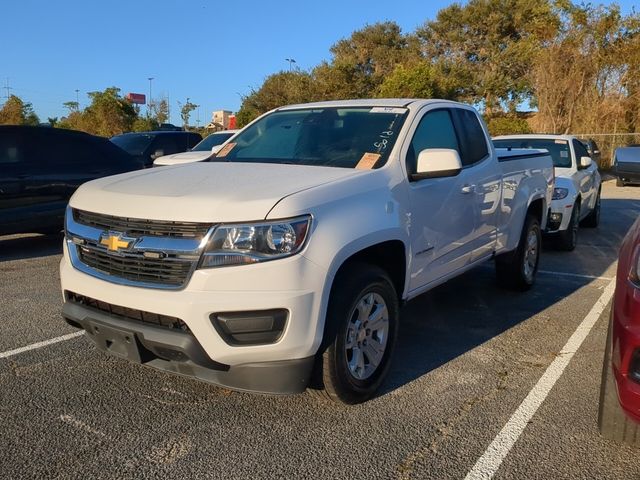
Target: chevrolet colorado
x=281 y=263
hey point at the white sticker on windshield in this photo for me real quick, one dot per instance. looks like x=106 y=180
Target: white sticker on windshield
x=560 y=142
x=395 y=110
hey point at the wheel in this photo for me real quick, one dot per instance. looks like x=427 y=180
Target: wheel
x=593 y=219
x=619 y=182
x=363 y=322
x=517 y=269
x=567 y=239
x=612 y=421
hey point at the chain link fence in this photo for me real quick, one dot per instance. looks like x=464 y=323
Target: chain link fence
x=608 y=142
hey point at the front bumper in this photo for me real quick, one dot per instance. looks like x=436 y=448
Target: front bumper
x=180 y=352
x=293 y=284
x=625 y=342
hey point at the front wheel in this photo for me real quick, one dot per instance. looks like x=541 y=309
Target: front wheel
x=362 y=318
x=517 y=269
x=568 y=239
x=593 y=219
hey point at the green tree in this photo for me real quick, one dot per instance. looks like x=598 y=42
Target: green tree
x=52 y=121
x=71 y=106
x=282 y=88
x=424 y=80
x=496 y=42
x=185 y=111
x=160 y=110
x=15 y=111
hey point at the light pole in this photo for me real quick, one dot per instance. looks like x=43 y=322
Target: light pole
x=291 y=62
x=149 y=101
x=78 y=97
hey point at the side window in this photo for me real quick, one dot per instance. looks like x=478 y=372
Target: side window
x=168 y=144
x=11 y=149
x=578 y=147
x=473 y=141
x=435 y=130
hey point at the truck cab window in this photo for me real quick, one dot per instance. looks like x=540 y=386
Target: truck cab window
x=435 y=130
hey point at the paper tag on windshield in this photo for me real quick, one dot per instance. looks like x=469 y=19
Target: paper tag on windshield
x=560 y=142
x=367 y=161
x=224 y=151
x=396 y=110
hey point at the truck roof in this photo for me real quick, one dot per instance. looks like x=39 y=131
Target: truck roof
x=372 y=102
x=535 y=135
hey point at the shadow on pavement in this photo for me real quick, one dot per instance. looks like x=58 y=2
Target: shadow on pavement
x=18 y=247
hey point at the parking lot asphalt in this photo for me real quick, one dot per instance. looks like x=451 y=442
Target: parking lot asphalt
x=469 y=354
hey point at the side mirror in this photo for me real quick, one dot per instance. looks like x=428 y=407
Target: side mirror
x=215 y=149
x=585 y=162
x=157 y=154
x=437 y=163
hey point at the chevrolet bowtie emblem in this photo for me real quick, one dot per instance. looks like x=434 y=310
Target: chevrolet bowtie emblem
x=114 y=241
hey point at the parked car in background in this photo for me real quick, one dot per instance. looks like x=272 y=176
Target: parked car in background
x=576 y=196
x=593 y=149
x=147 y=146
x=626 y=165
x=282 y=263
x=202 y=151
x=41 y=167
x=619 y=412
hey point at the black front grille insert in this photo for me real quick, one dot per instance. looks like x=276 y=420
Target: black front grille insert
x=135 y=267
x=172 y=323
x=141 y=227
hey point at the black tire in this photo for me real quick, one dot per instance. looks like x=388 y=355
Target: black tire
x=514 y=269
x=619 y=182
x=593 y=219
x=355 y=284
x=568 y=239
x=612 y=421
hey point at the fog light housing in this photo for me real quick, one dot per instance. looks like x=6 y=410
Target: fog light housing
x=259 y=327
x=555 y=219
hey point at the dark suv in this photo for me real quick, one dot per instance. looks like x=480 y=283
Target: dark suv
x=41 y=167
x=147 y=146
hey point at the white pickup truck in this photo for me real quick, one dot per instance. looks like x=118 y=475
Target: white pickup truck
x=282 y=263
x=576 y=196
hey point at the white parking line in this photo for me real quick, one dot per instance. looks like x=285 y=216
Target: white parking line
x=488 y=464
x=44 y=343
x=576 y=275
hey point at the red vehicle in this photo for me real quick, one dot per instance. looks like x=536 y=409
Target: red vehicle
x=619 y=414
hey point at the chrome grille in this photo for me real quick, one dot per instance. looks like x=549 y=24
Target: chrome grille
x=135 y=266
x=140 y=227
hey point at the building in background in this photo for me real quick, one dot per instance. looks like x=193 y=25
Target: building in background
x=222 y=120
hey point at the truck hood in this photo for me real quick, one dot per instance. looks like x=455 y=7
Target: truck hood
x=184 y=157
x=202 y=192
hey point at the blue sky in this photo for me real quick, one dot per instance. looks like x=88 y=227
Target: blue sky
x=209 y=51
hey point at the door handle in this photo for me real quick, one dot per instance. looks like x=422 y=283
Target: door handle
x=468 y=189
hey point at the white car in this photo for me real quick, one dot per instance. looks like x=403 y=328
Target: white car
x=285 y=265
x=202 y=151
x=576 y=196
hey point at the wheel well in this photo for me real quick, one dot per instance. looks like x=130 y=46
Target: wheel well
x=390 y=256
x=536 y=209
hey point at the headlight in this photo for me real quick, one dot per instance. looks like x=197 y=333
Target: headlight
x=560 y=193
x=247 y=243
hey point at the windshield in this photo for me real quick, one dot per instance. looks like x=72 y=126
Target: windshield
x=211 y=141
x=558 y=149
x=133 y=144
x=334 y=137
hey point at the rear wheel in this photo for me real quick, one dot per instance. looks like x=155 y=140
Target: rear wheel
x=593 y=219
x=619 y=182
x=568 y=239
x=362 y=318
x=517 y=269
